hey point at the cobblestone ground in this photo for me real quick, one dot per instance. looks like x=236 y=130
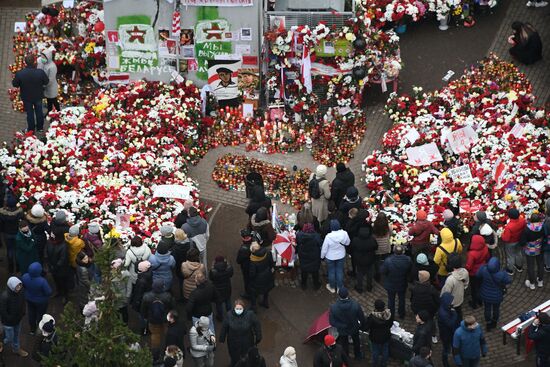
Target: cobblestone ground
x=518 y=299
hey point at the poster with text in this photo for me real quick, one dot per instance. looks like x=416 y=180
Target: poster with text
x=138 y=49
x=223 y=79
x=209 y=41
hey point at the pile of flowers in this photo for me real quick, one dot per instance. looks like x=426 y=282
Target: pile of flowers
x=380 y=13
x=76 y=34
x=483 y=124
x=105 y=161
x=288 y=187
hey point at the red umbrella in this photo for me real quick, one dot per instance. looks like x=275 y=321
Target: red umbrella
x=319 y=326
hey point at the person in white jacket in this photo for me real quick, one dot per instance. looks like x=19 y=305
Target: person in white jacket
x=334 y=252
x=47 y=64
x=203 y=343
x=288 y=359
x=137 y=252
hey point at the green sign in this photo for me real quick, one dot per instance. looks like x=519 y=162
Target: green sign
x=339 y=47
x=138 y=49
x=209 y=38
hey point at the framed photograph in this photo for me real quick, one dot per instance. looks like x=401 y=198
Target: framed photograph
x=246 y=34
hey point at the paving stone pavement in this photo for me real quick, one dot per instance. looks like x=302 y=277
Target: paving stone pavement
x=538 y=73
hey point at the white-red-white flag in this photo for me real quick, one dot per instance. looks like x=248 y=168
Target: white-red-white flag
x=176 y=24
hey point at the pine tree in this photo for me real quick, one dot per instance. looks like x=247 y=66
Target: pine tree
x=106 y=341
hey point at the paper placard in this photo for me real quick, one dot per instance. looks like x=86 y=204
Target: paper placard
x=68 y=4
x=242 y=49
x=461 y=174
x=517 y=130
x=423 y=155
x=462 y=140
x=177 y=77
x=469 y=206
x=412 y=135
x=19 y=27
x=343 y=111
x=538 y=185
x=172 y=191
x=248 y=110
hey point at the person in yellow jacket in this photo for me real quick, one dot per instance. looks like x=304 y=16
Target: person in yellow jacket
x=74 y=244
x=448 y=243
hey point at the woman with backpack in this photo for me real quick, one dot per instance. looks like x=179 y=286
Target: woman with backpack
x=137 y=252
x=493 y=284
x=449 y=245
x=319 y=192
x=203 y=343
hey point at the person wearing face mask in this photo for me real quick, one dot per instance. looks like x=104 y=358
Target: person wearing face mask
x=26 y=251
x=176 y=331
x=242 y=330
x=288 y=359
x=469 y=343
x=50 y=90
x=203 y=343
x=12 y=310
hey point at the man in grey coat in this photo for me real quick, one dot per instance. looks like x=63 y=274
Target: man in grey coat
x=45 y=62
x=31 y=82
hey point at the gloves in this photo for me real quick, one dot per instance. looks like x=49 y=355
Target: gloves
x=210 y=348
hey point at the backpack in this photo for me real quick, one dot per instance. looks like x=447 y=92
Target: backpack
x=157 y=311
x=313 y=188
x=452 y=258
x=136 y=263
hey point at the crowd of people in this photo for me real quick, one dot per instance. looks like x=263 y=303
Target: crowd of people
x=438 y=265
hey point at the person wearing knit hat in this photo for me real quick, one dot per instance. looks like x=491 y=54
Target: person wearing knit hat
x=319 y=193
x=74 y=244
x=12 y=310
x=182 y=244
x=167 y=239
x=197 y=230
x=10 y=217
x=202 y=343
x=421 y=231
x=423 y=263
x=350 y=201
x=511 y=237
x=422 y=259
x=49 y=336
x=162 y=263
x=451 y=221
x=288 y=359
x=330 y=354
x=47 y=325
x=92 y=239
x=423 y=332
x=425 y=298
x=347 y=316
x=38 y=223
x=94 y=227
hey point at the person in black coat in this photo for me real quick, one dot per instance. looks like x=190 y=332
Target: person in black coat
x=424 y=296
x=261 y=275
x=201 y=299
x=143 y=285
x=423 y=332
x=252 y=359
x=347 y=316
x=9 y=227
x=308 y=246
x=526 y=43
x=330 y=354
x=257 y=201
x=242 y=330
x=176 y=331
x=378 y=325
x=31 y=82
x=344 y=179
x=220 y=275
x=363 y=251
x=349 y=201
x=333 y=213
x=354 y=220
x=58 y=264
x=38 y=223
x=243 y=259
x=423 y=263
x=12 y=310
x=395 y=270
x=539 y=332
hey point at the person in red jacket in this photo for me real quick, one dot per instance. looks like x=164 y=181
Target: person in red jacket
x=478 y=255
x=510 y=237
x=421 y=231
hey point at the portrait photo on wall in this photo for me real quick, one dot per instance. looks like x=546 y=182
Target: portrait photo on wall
x=187 y=37
x=223 y=79
x=164 y=34
x=249 y=83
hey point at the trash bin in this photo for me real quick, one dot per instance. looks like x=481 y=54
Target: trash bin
x=251 y=180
